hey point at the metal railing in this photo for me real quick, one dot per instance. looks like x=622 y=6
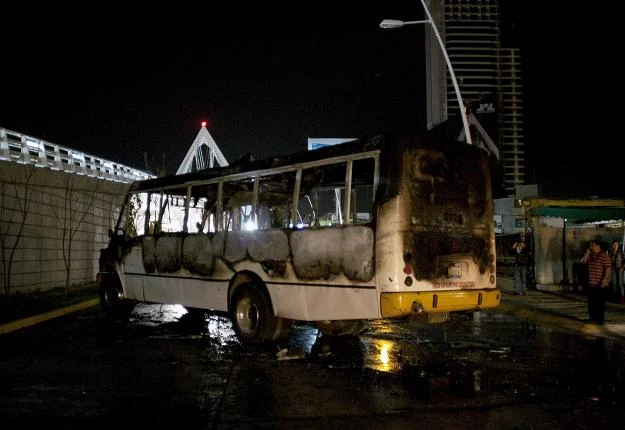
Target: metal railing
x=21 y=148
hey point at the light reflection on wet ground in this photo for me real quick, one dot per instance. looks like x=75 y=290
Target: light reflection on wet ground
x=157 y=314
x=472 y=354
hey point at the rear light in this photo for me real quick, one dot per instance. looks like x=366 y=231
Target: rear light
x=407 y=266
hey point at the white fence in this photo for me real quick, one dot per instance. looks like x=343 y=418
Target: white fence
x=41 y=212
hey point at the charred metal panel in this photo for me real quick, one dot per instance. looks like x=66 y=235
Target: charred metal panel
x=167 y=253
x=149 y=246
x=358 y=263
x=198 y=255
x=236 y=245
x=447 y=202
x=274 y=267
x=317 y=254
x=427 y=247
x=218 y=241
x=268 y=245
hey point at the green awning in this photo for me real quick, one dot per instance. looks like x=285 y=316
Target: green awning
x=582 y=215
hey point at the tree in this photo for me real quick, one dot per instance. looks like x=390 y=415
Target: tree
x=70 y=213
x=15 y=199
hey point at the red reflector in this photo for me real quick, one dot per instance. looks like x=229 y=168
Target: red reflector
x=407 y=269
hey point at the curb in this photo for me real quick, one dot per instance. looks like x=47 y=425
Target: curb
x=35 y=319
x=572 y=324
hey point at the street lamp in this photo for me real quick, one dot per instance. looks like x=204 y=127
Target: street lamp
x=394 y=23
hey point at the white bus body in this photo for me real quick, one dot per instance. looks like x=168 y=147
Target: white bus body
x=340 y=235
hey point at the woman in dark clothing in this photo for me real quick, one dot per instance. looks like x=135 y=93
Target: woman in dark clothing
x=521 y=263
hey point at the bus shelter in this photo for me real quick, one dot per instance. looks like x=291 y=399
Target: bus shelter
x=561 y=230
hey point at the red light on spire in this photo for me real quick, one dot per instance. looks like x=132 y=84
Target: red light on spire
x=203 y=123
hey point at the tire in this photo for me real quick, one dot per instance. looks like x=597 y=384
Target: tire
x=341 y=327
x=253 y=319
x=112 y=300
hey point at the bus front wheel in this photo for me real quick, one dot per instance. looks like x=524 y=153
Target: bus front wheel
x=113 y=302
x=253 y=318
x=341 y=327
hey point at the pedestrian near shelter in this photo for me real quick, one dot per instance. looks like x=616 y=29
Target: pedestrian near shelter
x=562 y=230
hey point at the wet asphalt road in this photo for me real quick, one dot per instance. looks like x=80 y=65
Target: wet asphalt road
x=164 y=369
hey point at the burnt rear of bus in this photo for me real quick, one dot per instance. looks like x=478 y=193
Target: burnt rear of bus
x=437 y=211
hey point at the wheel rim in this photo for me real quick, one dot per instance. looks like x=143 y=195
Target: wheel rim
x=112 y=296
x=247 y=316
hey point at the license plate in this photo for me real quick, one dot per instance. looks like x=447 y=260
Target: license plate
x=454 y=272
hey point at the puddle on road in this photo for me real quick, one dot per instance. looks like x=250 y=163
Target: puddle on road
x=153 y=315
x=458 y=358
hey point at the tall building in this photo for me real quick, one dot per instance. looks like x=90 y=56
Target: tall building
x=511 y=119
x=488 y=75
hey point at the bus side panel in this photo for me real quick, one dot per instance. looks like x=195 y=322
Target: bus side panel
x=133 y=287
x=204 y=294
x=317 y=303
x=342 y=303
x=164 y=289
x=389 y=245
x=132 y=279
x=133 y=261
x=327 y=252
x=289 y=301
x=262 y=245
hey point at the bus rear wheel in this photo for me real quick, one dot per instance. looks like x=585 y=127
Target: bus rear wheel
x=341 y=327
x=253 y=318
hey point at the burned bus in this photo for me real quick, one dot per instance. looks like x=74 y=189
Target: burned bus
x=338 y=236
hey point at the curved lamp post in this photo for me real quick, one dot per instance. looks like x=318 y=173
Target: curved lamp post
x=394 y=23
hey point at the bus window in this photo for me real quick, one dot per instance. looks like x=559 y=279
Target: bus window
x=240 y=209
x=169 y=210
x=199 y=211
x=361 y=207
x=320 y=202
x=322 y=194
x=135 y=214
x=275 y=193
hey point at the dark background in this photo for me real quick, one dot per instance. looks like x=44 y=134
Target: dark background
x=132 y=85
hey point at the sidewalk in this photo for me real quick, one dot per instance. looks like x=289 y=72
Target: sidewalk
x=547 y=305
x=26 y=309
x=566 y=310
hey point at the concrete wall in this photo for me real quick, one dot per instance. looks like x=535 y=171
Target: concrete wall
x=53 y=207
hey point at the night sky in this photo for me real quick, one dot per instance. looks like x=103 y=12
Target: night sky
x=121 y=83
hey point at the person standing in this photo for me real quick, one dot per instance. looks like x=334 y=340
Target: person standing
x=521 y=263
x=599 y=275
x=617 y=275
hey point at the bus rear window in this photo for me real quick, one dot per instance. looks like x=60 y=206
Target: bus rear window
x=445 y=181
